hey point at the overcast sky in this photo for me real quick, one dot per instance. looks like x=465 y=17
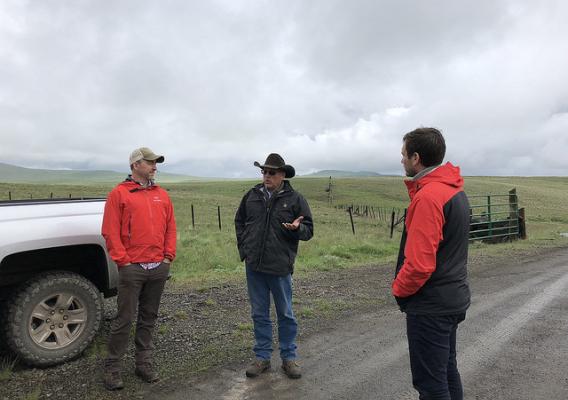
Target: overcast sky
x=216 y=85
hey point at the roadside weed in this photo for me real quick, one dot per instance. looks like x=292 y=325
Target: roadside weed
x=33 y=395
x=163 y=329
x=181 y=315
x=244 y=326
x=306 y=312
x=97 y=349
x=210 y=302
x=6 y=368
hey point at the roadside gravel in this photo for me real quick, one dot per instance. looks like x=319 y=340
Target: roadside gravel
x=200 y=329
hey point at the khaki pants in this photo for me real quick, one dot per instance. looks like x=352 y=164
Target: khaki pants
x=137 y=288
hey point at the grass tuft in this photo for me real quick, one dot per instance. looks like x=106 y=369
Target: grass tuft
x=163 y=329
x=7 y=365
x=181 y=315
x=97 y=349
x=244 y=326
x=35 y=395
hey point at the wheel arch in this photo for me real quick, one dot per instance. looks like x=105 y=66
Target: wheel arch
x=87 y=260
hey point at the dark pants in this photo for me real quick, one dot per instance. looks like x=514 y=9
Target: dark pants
x=432 y=347
x=137 y=288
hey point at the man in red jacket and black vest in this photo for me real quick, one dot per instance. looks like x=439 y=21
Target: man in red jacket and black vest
x=431 y=284
x=140 y=232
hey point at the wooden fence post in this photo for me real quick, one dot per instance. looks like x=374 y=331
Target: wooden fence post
x=351 y=218
x=9 y=195
x=522 y=224
x=219 y=216
x=392 y=223
x=192 y=217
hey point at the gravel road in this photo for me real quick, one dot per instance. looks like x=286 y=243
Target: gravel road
x=513 y=345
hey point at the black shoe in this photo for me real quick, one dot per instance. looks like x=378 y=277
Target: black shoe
x=147 y=373
x=257 y=367
x=112 y=380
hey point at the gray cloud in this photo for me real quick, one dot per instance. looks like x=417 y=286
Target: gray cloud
x=328 y=84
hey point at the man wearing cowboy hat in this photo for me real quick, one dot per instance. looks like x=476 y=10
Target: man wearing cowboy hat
x=272 y=218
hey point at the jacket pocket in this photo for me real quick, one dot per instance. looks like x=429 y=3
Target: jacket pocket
x=285 y=214
x=246 y=236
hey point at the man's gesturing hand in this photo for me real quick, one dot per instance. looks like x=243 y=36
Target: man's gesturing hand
x=294 y=225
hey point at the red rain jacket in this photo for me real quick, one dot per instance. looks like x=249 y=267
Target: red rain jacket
x=432 y=268
x=139 y=224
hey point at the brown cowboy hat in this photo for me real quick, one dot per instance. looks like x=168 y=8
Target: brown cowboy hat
x=275 y=161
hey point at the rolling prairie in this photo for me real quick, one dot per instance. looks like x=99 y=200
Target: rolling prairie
x=207 y=255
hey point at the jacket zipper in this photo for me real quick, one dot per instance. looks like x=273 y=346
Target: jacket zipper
x=149 y=204
x=265 y=233
x=271 y=202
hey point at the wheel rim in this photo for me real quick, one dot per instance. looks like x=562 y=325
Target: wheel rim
x=57 y=321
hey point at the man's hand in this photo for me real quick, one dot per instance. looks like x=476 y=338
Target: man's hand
x=294 y=225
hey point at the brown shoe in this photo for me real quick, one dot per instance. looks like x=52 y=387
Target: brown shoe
x=147 y=373
x=292 y=369
x=257 y=367
x=112 y=380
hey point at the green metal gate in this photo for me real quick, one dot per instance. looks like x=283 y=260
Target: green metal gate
x=496 y=217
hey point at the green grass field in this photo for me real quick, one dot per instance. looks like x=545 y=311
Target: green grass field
x=207 y=255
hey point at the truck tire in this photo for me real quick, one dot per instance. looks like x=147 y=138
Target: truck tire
x=53 y=318
x=5 y=295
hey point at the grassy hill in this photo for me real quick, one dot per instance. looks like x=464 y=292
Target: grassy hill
x=334 y=173
x=14 y=174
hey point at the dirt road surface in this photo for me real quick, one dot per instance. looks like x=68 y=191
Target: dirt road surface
x=513 y=345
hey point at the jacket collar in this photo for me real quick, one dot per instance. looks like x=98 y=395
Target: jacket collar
x=286 y=187
x=424 y=172
x=134 y=186
x=447 y=174
x=129 y=178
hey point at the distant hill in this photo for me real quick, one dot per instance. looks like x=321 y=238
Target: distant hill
x=13 y=174
x=339 y=174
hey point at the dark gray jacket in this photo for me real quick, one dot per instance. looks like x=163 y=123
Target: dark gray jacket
x=263 y=242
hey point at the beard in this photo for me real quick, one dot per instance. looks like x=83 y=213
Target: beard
x=410 y=172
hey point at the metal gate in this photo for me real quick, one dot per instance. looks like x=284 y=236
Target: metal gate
x=496 y=217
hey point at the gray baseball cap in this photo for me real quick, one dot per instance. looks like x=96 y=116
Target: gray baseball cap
x=144 y=153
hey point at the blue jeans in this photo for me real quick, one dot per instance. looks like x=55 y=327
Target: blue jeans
x=260 y=285
x=432 y=347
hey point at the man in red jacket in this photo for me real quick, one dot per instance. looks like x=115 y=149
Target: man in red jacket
x=431 y=284
x=140 y=232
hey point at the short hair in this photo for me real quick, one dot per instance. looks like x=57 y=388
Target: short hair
x=428 y=143
x=135 y=162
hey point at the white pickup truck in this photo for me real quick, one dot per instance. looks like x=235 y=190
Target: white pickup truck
x=54 y=271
